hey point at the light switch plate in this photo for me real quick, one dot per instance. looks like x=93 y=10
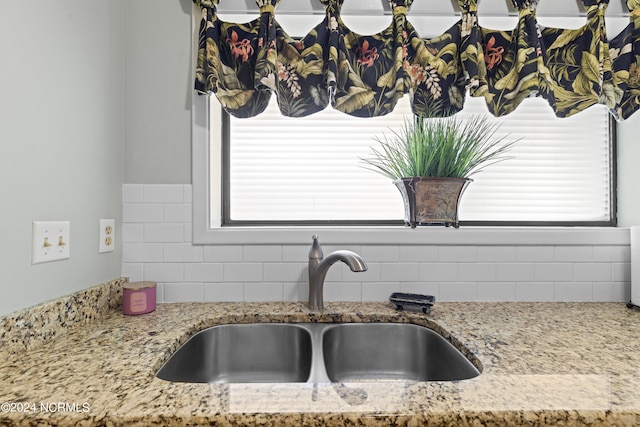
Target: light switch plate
x=107 y=235
x=51 y=241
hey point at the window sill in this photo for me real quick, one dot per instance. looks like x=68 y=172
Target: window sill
x=491 y=236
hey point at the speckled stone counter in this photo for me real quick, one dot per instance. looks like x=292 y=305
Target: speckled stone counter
x=551 y=364
x=31 y=328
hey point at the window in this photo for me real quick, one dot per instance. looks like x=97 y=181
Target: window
x=286 y=171
x=381 y=227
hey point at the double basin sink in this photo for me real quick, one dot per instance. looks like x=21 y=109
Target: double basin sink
x=316 y=353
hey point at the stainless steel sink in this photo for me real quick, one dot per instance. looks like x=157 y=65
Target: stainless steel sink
x=394 y=351
x=256 y=353
x=316 y=353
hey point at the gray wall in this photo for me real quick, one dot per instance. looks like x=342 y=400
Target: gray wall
x=158 y=91
x=61 y=141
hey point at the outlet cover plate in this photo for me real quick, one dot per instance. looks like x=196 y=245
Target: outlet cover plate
x=107 y=235
x=51 y=241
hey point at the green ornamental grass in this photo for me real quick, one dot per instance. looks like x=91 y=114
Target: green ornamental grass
x=439 y=147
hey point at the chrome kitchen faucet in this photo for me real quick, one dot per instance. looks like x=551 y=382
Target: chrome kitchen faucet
x=318 y=267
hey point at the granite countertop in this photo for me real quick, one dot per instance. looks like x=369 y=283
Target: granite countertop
x=542 y=364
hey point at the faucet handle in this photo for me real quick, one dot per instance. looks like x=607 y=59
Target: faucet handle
x=316 y=251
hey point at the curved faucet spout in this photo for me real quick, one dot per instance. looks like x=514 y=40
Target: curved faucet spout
x=352 y=259
x=318 y=268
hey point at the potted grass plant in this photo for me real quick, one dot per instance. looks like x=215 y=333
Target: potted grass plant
x=430 y=160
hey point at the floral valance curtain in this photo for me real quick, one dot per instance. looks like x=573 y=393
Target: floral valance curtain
x=244 y=65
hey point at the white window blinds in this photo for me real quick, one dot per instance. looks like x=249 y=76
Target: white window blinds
x=309 y=169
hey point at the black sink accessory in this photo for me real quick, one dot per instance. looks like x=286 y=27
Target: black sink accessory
x=412 y=302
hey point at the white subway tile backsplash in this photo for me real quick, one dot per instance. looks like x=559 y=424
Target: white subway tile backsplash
x=621 y=272
x=535 y=253
x=262 y=291
x=573 y=254
x=379 y=291
x=243 y=272
x=163 y=193
x=226 y=253
x=375 y=253
x=342 y=291
x=160 y=293
x=535 y=291
x=413 y=253
x=553 y=272
x=141 y=212
x=203 y=272
x=163 y=233
x=295 y=292
x=156 y=243
x=183 y=292
x=611 y=292
x=458 y=291
x=188 y=232
x=187 y=193
x=164 y=272
x=182 y=252
x=132 y=233
x=457 y=253
x=515 y=272
x=594 y=272
x=295 y=253
x=505 y=291
x=477 y=272
x=399 y=271
x=177 y=212
x=132 y=193
x=134 y=271
x=574 y=291
x=497 y=254
x=439 y=272
x=262 y=253
x=284 y=272
x=611 y=253
x=223 y=292
x=142 y=252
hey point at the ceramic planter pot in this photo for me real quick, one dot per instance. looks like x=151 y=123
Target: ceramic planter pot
x=431 y=201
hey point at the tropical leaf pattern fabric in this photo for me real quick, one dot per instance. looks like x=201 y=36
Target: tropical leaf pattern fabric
x=471 y=50
x=236 y=61
x=441 y=69
x=243 y=65
x=369 y=78
x=579 y=63
x=625 y=60
x=302 y=87
x=514 y=63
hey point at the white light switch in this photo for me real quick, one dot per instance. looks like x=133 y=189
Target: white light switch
x=51 y=241
x=107 y=235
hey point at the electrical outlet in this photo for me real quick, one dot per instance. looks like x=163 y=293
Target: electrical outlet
x=51 y=241
x=107 y=235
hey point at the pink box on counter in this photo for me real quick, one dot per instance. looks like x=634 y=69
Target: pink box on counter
x=138 y=298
